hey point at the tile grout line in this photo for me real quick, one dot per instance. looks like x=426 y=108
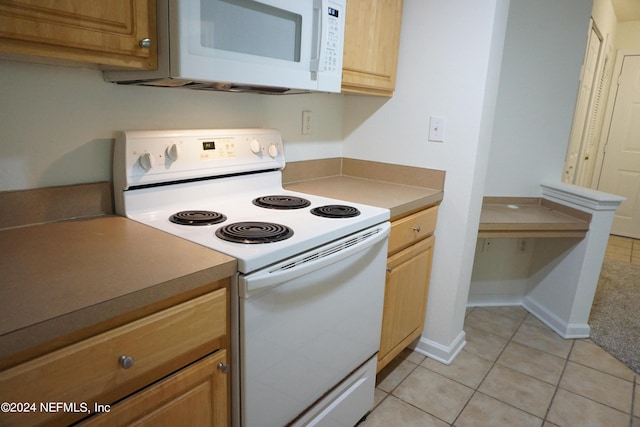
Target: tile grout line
x=409 y=403
x=567 y=361
x=635 y=382
x=476 y=389
x=555 y=391
x=390 y=393
x=633 y=399
x=557 y=385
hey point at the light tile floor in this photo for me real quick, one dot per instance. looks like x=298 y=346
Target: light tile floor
x=514 y=371
x=623 y=249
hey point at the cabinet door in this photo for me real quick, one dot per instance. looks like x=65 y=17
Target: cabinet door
x=372 y=36
x=405 y=299
x=195 y=396
x=89 y=31
x=94 y=371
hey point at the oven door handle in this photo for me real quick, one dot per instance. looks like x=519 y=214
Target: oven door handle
x=310 y=261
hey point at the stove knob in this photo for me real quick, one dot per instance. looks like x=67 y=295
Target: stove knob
x=273 y=150
x=173 y=152
x=255 y=146
x=146 y=161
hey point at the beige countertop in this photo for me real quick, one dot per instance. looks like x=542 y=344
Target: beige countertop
x=401 y=189
x=60 y=277
x=399 y=199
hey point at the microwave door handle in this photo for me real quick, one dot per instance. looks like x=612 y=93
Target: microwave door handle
x=316 y=54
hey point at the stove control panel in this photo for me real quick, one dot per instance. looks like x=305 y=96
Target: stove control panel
x=150 y=157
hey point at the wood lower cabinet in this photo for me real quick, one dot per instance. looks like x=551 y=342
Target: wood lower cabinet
x=407 y=286
x=107 y=33
x=194 y=396
x=131 y=360
x=371 y=42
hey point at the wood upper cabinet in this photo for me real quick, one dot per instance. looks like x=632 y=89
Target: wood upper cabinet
x=407 y=286
x=107 y=33
x=372 y=37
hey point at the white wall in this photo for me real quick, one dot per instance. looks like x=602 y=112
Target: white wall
x=448 y=66
x=543 y=54
x=501 y=271
x=628 y=35
x=57 y=123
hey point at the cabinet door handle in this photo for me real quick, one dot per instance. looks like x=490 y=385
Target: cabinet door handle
x=416 y=228
x=126 y=361
x=145 y=43
x=224 y=368
x=389 y=269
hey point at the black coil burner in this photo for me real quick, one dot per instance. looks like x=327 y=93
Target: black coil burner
x=335 y=211
x=254 y=232
x=197 y=218
x=281 y=202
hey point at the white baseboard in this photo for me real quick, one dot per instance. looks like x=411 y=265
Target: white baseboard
x=439 y=352
x=494 y=300
x=562 y=328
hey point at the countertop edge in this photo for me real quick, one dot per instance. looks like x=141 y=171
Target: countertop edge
x=37 y=339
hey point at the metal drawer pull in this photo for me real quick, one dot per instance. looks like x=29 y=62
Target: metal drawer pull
x=223 y=368
x=126 y=361
x=145 y=43
x=416 y=228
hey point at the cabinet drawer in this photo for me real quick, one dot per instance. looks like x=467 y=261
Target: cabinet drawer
x=91 y=372
x=194 y=396
x=410 y=229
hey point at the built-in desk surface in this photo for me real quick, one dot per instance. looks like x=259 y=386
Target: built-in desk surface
x=530 y=217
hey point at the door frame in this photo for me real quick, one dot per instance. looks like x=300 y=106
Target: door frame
x=608 y=117
x=584 y=108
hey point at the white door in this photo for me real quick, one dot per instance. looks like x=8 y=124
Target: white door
x=621 y=167
x=583 y=107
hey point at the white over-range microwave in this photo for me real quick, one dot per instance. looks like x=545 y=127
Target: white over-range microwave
x=271 y=46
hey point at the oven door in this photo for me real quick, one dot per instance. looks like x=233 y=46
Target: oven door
x=306 y=324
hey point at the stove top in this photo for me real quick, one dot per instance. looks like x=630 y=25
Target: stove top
x=241 y=210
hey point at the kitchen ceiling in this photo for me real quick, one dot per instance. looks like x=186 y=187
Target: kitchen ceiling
x=626 y=10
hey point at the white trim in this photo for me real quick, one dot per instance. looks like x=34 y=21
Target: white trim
x=495 y=300
x=580 y=197
x=562 y=328
x=439 y=352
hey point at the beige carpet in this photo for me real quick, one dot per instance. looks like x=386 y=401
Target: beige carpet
x=615 y=316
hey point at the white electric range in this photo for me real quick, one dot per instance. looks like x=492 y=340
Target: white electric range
x=306 y=304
